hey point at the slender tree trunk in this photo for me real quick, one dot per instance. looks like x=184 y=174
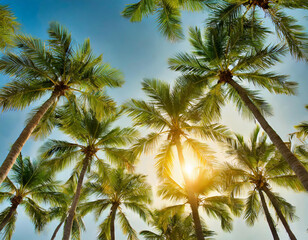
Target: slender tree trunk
x=193 y=201
x=279 y=213
x=56 y=231
x=24 y=136
x=113 y=213
x=294 y=163
x=71 y=212
x=8 y=216
x=268 y=217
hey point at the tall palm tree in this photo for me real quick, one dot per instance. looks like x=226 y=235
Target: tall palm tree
x=8 y=27
x=221 y=61
x=286 y=27
x=260 y=167
x=170 y=225
x=60 y=211
x=117 y=191
x=57 y=68
x=169 y=112
x=204 y=186
x=28 y=184
x=91 y=136
x=168 y=13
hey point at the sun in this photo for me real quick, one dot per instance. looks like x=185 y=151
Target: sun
x=189 y=169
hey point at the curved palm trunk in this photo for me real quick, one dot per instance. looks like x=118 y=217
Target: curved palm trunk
x=193 y=201
x=56 y=231
x=268 y=216
x=24 y=136
x=8 y=216
x=294 y=163
x=113 y=213
x=71 y=212
x=279 y=213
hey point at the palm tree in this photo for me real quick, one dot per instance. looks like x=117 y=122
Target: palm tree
x=28 y=184
x=118 y=191
x=8 y=27
x=203 y=186
x=169 y=112
x=259 y=168
x=168 y=14
x=286 y=27
x=54 y=67
x=221 y=61
x=173 y=226
x=91 y=136
x=60 y=211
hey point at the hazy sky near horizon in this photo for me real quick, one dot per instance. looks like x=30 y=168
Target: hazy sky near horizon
x=140 y=51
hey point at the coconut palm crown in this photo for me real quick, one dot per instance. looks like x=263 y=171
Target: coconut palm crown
x=54 y=68
x=28 y=184
x=117 y=191
x=170 y=225
x=286 y=27
x=258 y=170
x=204 y=185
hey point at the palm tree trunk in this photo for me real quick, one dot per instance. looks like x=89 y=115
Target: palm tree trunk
x=279 y=213
x=268 y=216
x=56 y=231
x=294 y=163
x=24 y=136
x=191 y=195
x=71 y=212
x=8 y=216
x=113 y=215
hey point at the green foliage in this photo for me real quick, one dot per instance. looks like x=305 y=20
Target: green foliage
x=170 y=112
x=169 y=225
x=92 y=135
x=8 y=27
x=56 y=65
x=168 y=14
x=204 y=186
x=32 y=183
x=60 y=210
x=220 y=55
x=287 y=28
x=259 y=166
x=119 y=191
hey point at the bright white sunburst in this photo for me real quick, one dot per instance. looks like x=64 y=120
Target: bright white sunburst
x=189 y=169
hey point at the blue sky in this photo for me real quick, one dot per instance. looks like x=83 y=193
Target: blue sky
x=139 y=51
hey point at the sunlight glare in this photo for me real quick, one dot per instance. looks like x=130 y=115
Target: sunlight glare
x=189 y=170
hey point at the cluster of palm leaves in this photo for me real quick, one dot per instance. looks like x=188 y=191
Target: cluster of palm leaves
x=227 y=57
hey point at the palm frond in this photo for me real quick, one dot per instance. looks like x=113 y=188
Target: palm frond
x=164 y=160
x=252 y=208
x=126 y=227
